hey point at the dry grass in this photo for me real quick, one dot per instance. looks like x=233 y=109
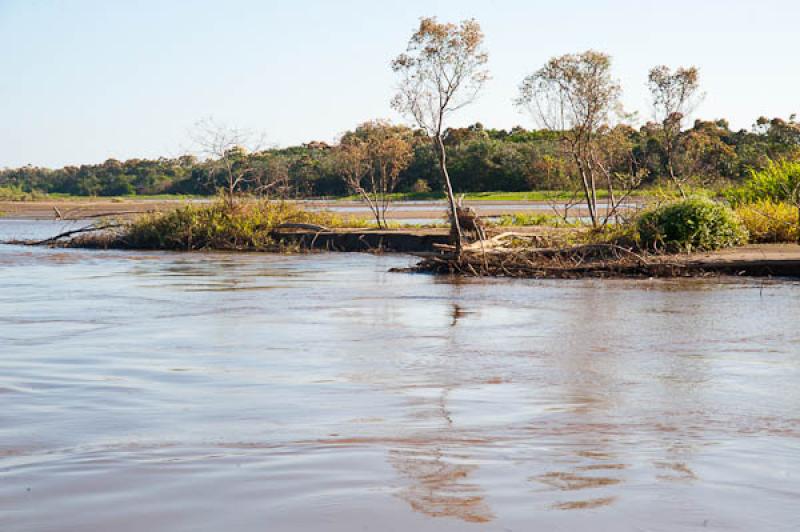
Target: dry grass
x=770 y=221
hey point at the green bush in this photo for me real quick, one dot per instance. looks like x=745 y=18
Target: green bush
x=779 y=181
x=768 y=221
x=693 y=224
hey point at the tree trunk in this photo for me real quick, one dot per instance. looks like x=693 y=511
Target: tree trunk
x=674 y=178
x=455 y=226
x=587 y=190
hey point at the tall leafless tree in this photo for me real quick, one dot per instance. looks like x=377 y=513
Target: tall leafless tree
x=674 y=96
x=575 y=96
x=226 y=150
x=442 y=71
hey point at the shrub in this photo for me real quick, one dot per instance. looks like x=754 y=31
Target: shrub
x=690 y=224
x=779 y=181
x=421 y=187
x=769 y=221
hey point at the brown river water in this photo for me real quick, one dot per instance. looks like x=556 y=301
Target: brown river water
x=253 y=392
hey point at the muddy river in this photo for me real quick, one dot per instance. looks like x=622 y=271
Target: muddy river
x=252 y=392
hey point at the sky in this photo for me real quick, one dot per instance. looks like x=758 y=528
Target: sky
x=86 y=80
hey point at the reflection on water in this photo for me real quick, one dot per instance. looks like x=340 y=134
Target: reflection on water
x=169 y=391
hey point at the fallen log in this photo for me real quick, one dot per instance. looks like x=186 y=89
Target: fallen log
x=67 y=234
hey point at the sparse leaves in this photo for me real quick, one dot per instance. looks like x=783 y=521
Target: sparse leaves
x=442 y=70
x=371 y=159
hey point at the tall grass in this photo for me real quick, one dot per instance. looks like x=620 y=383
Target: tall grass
x=779 y=181
x=770 y=221
x=515 y=219
x=243 y=226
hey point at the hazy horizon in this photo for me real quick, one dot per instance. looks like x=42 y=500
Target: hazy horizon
x=87 y=80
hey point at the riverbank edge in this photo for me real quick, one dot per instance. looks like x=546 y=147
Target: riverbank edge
x=564 y=262
x=756 y=260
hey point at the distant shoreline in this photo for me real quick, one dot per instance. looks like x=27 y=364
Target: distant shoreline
x=80 y=207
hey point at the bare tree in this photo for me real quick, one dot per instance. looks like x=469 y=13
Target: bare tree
x=575 y=96
x=226 y=150
x=442 y=70
x=371 y=159
x=674 y=96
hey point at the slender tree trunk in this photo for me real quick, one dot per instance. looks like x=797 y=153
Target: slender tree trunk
x=674 y=178
x=611 y=205
x=587 y=191
x=372 y=205
x=455 y=226
x=670 y=146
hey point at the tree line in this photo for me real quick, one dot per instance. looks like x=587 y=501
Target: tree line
x=479 y=160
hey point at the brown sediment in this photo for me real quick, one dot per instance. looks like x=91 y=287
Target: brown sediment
x=683 y=471
x=601 y=467
x=78 y=209
x=438 y=487
x=597 y=455
x=585 y=505
x=572 y=482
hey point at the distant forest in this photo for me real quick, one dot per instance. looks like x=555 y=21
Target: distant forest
x=479 y=159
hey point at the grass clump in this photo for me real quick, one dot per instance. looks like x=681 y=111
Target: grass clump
x=693 y=224
x=245 y=226
x=529 y=219
x=770 y=221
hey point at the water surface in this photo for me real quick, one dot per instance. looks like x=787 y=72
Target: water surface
x=250 y=392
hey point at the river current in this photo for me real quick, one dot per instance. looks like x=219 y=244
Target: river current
x=253 y=392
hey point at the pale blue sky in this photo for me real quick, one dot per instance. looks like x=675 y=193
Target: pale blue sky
x=84 y=80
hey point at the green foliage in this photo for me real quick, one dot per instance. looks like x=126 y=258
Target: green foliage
x=480 y=160
x=529 y=219
x=768 y=221
x=778 y=181
x=16 y=193
x=220 y=225
x=669 y=192
x=693 y=224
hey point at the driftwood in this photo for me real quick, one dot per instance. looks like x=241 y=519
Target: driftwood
x=602 y=259
x=67 y=234
x=109 y=214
